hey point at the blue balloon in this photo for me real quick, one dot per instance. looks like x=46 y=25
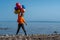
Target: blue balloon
x=23 y=6
x=16 y=8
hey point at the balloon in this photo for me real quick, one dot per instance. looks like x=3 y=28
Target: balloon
x=16 y=8
x=17 y=11
x=19 y=8
x=18 y=5
x=23 y=6
x=22 y=10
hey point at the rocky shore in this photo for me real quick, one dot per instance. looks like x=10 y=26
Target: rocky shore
x=31 y=37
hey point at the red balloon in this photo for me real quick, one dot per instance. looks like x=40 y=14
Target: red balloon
x=22 y=10
x=18 y=5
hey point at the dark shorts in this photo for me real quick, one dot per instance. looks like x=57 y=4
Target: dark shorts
x=21 y=26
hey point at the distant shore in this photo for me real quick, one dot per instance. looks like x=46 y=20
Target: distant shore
x=31 y=37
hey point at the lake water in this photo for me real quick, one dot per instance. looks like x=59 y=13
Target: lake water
x=33 y=27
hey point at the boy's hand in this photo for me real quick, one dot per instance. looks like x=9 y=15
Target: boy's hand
x=26 y=23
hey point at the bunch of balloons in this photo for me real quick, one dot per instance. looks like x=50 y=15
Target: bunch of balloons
x=19 y=8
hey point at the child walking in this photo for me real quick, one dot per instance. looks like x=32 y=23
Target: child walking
x=21 y=22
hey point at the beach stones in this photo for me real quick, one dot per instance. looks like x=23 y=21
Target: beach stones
x=30 y=37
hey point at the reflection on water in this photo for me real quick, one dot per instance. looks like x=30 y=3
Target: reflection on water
x=4 y=28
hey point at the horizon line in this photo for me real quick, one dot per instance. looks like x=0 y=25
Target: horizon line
x=34 y=21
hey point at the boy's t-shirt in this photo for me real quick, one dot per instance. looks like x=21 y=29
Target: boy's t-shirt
x=20 y=19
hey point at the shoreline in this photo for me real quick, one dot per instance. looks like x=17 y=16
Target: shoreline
x=31 y=37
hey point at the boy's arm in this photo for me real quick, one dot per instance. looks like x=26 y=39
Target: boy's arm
x=24 y=21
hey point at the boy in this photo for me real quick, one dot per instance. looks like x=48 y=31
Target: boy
x=21 y=22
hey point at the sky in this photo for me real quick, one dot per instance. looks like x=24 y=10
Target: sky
x=36 y=10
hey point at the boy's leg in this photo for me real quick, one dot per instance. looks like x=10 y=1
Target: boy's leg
x=24 y=29
x=18 y=29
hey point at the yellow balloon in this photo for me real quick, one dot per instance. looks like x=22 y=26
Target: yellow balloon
x=17 y=11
